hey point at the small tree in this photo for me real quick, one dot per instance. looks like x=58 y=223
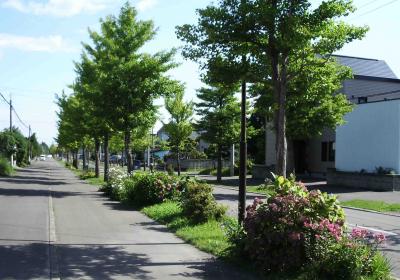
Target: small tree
x=219 y=123
x=179 y=128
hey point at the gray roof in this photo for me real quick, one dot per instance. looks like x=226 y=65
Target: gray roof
x=366 y=67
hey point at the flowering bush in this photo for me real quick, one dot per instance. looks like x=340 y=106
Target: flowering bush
x=144 y=189
x=300 y=230
x=117 y=177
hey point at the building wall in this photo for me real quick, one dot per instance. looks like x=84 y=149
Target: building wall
x=358 y=87
x=370 y=138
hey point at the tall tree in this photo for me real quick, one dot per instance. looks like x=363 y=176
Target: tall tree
x=285 y=36
x=180 y=127
x=219 y=122
x=132 y=79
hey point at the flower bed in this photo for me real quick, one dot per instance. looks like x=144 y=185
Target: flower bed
x=296 y=230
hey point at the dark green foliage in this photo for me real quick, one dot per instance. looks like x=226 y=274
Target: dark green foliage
x=15 y=143
x=5 y=167
x=198 y=202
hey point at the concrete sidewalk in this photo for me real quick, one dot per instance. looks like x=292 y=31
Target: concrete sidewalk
x=70 y=231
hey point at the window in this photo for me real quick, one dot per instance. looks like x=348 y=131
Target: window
x=324 y=151
x=328 y=151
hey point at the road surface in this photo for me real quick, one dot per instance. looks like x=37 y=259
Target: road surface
x=53 y=226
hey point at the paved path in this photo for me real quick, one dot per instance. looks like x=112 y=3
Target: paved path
x=52 y=225
x=376 y=222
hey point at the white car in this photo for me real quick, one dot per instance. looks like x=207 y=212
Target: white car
x=42 y=157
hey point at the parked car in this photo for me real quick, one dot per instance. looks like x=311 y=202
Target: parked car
x=115 y=159
x=137 y=164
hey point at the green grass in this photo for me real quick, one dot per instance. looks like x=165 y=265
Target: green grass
x=375 y=205
x=209 y=237
x=95 y=181
x=262 y=189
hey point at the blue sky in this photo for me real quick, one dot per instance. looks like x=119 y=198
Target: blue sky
x=39 y=40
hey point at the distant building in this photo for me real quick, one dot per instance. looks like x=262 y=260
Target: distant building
x=202 y=145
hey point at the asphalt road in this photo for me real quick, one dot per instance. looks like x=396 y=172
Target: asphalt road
x=54 y=226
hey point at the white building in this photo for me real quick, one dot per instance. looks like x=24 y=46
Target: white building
x=371 y=136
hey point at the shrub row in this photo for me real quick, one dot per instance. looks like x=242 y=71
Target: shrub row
x=143 y=189
x=299 y=230
x=5 y=167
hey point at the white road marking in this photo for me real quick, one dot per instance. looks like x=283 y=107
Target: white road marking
x=53 y=262
x=388 y=233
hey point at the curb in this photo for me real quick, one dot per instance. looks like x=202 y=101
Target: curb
x=344 y=207
x=372 y=211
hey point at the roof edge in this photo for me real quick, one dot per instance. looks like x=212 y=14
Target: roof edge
x=378 y=79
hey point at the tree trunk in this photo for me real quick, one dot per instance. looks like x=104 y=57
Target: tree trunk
x=84 y=158
x=243 y=158
x=279 y=82
x=219 y=164
x=128 y=155
x=106 y=158
x=266 y=141
x=68 y=157
x=97 y=157
x=178 y=161
x=75 y=162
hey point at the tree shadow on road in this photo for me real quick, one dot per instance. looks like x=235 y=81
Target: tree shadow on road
x=33 y=192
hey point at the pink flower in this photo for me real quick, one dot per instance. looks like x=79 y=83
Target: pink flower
x=359 y=233
x=379 y=237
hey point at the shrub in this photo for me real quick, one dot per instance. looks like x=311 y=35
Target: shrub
x=148 y=189
x=115 y=184
x=308 y=227
x=198 y=202
x=5 y=167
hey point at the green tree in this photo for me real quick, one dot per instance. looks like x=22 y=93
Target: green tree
x=285 y=36
x=219 y=123
x=132 y=79
x=180 y=127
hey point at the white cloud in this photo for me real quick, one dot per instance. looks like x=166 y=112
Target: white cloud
x=58 y=8
x=144 y=5
x=34 y=44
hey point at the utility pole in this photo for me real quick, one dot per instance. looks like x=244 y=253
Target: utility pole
x=30 y=146
x=232 y=165
x=12 y=154
x=152 y=147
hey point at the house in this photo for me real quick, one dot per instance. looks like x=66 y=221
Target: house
x=369 y=139
x=201 y=147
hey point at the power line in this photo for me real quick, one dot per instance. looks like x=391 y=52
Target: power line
x=366 y=4
x=5 y=100
x=375 y=9
x=26 y=126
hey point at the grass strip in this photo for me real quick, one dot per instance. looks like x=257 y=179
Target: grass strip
x=259 y=189
x=209 y=237
x=375 y=205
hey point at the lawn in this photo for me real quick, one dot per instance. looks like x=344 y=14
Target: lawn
x=209 y=237
x=375 y=205
x=262 y=189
